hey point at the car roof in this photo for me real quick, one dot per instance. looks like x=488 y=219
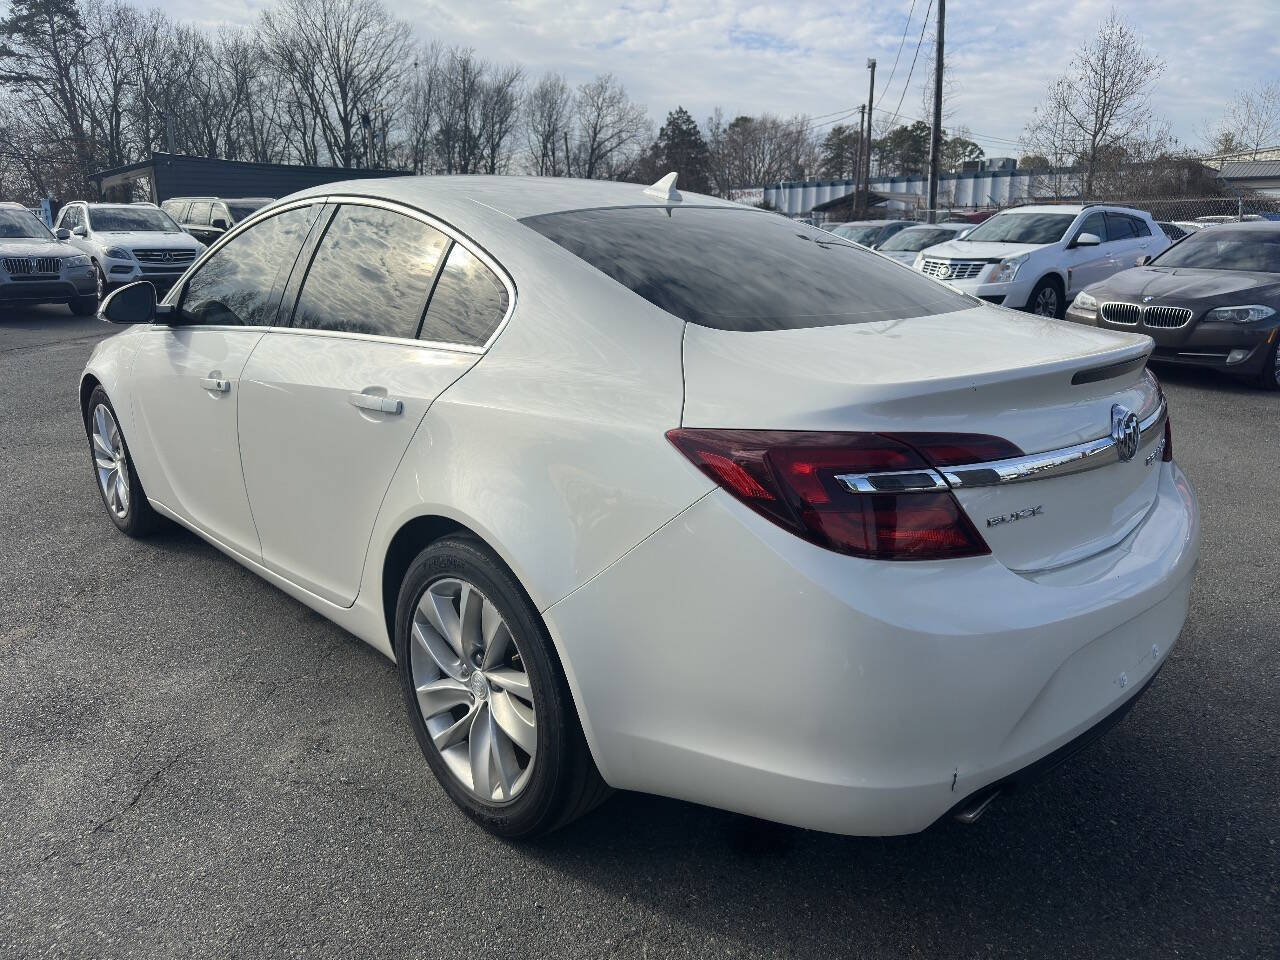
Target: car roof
x=511 y=197
x=1250 y=226
x=948 y=225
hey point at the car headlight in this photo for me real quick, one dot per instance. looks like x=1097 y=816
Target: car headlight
x=1008 y=269
x=118 y=253
x=1083 y=303
x=1249 y=313
x=79 y=260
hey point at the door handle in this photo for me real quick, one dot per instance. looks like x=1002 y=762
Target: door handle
x=216 y=385
x=369 y=401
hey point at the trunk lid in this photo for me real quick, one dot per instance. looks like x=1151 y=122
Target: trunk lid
x=1042 y=384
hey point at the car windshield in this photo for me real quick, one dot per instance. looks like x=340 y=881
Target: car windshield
x=917 y=238
x=242 y=208
x=858 y=233
x=744 y=270
x=124 y=219
x=1023 y=228
x=22 y=225
x=1222 y=248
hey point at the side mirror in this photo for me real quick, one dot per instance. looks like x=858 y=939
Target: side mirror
x=79 y=231
x=1087 y=240
x=220 y=223
x=1142 y=261
x=62 y=233
x=132 y=303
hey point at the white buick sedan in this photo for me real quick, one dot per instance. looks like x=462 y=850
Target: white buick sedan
x=662 y=493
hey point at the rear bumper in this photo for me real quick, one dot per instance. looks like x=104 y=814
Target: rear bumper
x=726 y=662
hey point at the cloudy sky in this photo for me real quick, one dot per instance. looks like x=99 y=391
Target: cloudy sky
x=810 y=57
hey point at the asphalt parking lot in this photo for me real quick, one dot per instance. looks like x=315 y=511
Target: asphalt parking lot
x=192 y=763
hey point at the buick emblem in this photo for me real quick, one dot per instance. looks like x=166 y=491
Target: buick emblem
x=1125 y=431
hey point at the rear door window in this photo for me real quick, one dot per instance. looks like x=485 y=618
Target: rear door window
x=1140 y=227
x=371 y=274
x=745 y=270
x=199 y=214
x=468 y=304
x=1120 y=227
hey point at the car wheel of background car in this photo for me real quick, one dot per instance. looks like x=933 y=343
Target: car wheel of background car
x=1047 y=298
x=1269 y=376
x=102 y=282
x=118 y=483
x=83 y=306
x=486 y=696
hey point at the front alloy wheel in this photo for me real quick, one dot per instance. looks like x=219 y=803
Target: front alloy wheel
x=473 y=691
x=1045 y=301
x=111 y=461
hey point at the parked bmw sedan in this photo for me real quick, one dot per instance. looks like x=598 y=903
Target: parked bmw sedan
x=1212 y=300
x=662 y=493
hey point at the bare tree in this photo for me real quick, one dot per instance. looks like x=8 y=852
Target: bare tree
x=501 y=93
x=611 y=130
x=342 y=60
x=1101 y=106
x=548 y=109
x=754 y=151
x=421 y=111
x=1251 y=123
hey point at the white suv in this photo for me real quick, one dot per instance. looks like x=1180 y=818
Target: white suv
x=130 y=241
x=1037 y=258
x=37 y=267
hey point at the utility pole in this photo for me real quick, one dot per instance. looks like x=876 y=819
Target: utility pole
x=871 y=100
x=935 y=134
x=857 y=161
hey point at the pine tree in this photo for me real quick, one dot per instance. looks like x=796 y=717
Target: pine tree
x=680 y=147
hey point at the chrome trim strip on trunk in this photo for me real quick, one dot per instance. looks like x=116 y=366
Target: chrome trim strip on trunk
x=1036 y=466
x=1052 y=463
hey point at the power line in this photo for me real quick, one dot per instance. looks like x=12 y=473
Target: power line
x=924 y=25
x=894 y=69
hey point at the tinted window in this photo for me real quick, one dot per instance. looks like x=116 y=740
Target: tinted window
x=1222 y=248
x=744 y=270
x=371 y=274
x=858 y=234
x=239 y=284
x=1023 y=228
x=1120 y=227
x=242 y=208
x=1096 y=224
x=917 y=238
x=199 y=214
x=1140 y=226
x=123 y=219
x=469 y=301
x=22 y=224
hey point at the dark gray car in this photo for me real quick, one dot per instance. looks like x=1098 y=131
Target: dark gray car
x=870 y=233
x=1210 y=300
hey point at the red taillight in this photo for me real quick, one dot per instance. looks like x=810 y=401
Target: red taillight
x=791 y=478
x=1167 y=456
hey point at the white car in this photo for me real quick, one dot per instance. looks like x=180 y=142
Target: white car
x=662 y=493
x=128 y=242
x=1038 y=258
x=905 y=245
x=38 y=267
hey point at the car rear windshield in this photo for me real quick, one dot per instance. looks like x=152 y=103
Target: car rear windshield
x=744 y=270
x=1023 y=228
x=123 y=219
x=1221 y=248
x=863 y=235
x=913 y=239
x=21 y=225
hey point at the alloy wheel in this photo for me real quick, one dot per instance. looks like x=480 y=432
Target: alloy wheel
x=110 y=461
x=101 y=281
x=473 y=691
x=1046 y=304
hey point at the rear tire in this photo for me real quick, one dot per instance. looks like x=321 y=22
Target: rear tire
x=113 y=469
x=464 y=587
x=1268 y=378
x=83 y=306
x=1047 y=298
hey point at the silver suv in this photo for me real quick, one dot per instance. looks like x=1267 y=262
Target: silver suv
x=38 y=267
